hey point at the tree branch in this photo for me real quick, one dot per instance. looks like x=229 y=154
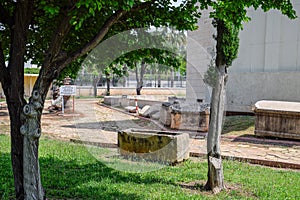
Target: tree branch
x=5 y=18
x=95 y=41
x=22 y=17
x=101 y=34
x=58 y=38
x=49 y=69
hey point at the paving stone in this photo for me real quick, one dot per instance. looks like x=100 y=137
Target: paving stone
x=277 y=149
x=243 y=145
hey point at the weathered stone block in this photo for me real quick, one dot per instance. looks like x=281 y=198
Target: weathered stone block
x=112 y=100
x=165 y=114
x=162 y=146
x=190 y=118
x=277 y=119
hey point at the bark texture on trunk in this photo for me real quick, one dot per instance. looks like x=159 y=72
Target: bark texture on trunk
x=139 y=87
x=215 y=180
x=107 y=86
x=15 y=110
x=31 y=130
x=13 y=85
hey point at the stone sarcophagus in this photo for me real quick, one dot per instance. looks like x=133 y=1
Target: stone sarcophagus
x=190 y=117
x=277 y=119
x=161 y=146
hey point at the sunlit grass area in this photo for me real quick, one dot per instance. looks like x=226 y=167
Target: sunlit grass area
x=69 y=171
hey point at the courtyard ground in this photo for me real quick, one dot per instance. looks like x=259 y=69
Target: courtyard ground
x=96 y=124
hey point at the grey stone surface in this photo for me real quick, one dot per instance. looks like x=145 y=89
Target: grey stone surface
x=152 y=110
x=153 y=145
x=130 y=109
x=165 y=114
x=190 y=116
x=144 y=111
x=280 y=106
x=155 y=116
x=112 y=100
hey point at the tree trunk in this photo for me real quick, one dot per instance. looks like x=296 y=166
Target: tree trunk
x=107 y=86
x=124 y=81
x=215 y=180
x=95 y=82
x=13 y=85
x=138 y=89
x=15 y=110
x=139 y=79
x=215 y=169
x=31 y=130
x=172 y=77
x=158 y=80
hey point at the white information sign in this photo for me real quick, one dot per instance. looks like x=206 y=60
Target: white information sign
x=67 y=90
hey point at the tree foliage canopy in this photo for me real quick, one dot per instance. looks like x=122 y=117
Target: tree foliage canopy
x=57 y=35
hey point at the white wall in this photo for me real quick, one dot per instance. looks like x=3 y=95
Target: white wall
x=268 y=63
x=200 y=47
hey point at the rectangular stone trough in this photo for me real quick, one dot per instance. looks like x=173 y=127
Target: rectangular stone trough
x=161 y=146
x=190 y=117
x=277 y=119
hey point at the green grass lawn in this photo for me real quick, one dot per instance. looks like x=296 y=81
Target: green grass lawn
x=69 y=171
x=239 y=125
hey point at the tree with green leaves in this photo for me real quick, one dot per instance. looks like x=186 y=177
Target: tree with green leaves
x=140 y=59
x=229 y=17
x=55 y=35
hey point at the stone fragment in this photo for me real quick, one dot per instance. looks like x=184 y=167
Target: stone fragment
x=152 y=110
x=143 y=112
x=130 y=109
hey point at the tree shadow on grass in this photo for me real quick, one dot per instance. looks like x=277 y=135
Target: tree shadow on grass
x=6 y=177
x=238 y=123
x=64 y=180
x=71 y=180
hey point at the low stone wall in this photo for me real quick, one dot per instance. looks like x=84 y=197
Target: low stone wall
x=125 y=101
x=89 y=91
x=277 y=119
x=162 y=146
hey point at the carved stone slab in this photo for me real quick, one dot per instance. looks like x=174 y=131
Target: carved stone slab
x=277 y=119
